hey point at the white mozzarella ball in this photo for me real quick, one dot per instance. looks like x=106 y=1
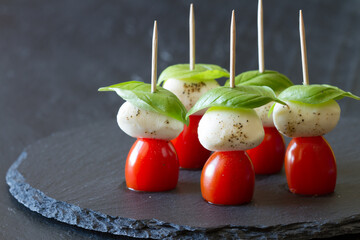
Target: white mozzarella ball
x=137 y=123
x=189 y=91
x=306 y=120
x=263 y=113
x=226 y=129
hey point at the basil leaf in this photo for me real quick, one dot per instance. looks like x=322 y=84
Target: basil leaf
x=314 y=93
x=139 y=94
x=275 y=80
x=271 y=110
x=237 y=97
x=202 y=72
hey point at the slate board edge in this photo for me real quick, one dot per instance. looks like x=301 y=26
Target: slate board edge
x=64 y=212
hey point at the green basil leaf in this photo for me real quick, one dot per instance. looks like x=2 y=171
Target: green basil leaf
x=271 y=110
x=202 y=72
x=314 y=93
x=237 y=97
x=275 y=80
x=161 y=101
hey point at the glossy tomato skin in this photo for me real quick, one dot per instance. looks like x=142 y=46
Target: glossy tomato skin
x=152 y=166
x=191 y=154
x=228 y=178
x=310 y=166
x=268 y=157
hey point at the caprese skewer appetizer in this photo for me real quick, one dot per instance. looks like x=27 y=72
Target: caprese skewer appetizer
x=189 y=82
x=154 y=116
x=268 y=157
x=311 y=112
x=230 y=127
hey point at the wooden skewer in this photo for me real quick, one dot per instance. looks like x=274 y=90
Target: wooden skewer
x=192 y=37
x=303 y=49
x=154 y=58
x=260 y=26
x=232 y=49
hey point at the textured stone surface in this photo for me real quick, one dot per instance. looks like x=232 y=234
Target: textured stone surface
x=77 y=177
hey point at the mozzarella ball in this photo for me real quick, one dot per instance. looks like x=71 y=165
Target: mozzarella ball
x=137 y=123
x=226 y=129
x=189 y=91
x=306 y=120
x=263 y=113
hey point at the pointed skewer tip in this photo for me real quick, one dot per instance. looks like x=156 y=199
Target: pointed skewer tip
x=260 y=29
x=154 y=58
x=303 y=49
x=192 y=38
x=232 y=49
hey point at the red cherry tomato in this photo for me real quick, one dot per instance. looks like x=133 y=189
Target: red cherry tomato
x=310 y=166
x=268 y=157
x=228 y=178
x=192 y=155
x=152 y=166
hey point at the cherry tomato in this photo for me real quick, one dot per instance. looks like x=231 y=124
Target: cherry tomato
x=152 y=166
x=228 y=178
x=268 y=157
x=192 y=155
x=310 y=166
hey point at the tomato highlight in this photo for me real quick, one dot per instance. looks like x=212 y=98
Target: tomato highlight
x=191 y=154
x=228 y=178
x=152 y=166
x=310 y=166
x=268 y=157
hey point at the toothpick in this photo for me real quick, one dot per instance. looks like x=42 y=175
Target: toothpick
x=303 y=49
x=261 y=38
x=154 y=58
x=232 y=49
x=192 y=37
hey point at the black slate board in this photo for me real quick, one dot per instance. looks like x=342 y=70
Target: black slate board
x=77 y=177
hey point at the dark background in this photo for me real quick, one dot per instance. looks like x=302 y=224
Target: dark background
x=54 y=55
